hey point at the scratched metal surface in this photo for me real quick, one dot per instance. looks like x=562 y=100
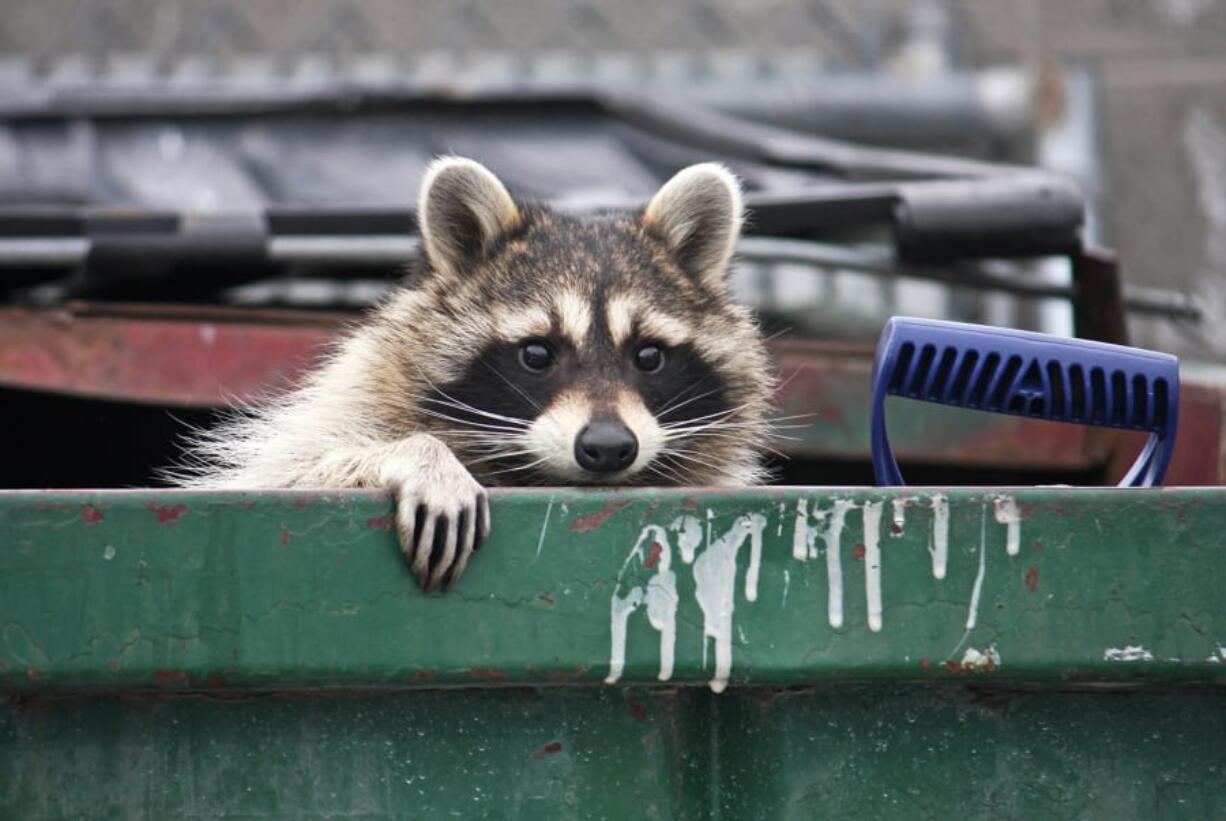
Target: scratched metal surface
x=137 y=589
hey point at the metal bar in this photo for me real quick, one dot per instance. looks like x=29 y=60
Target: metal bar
x=390 y=250
x=882 y=262
x=1051 y=588
x=1098 y=310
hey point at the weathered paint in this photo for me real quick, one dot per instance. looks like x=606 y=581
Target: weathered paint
x=1007 y=514
x=872 y=563
x=940 y=534
x=715 y=588
x=688 y=587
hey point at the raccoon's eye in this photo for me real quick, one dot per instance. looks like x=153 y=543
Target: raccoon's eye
x=536 y=355
x=649 y=358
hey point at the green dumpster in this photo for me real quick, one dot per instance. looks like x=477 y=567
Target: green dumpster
x=774 y=653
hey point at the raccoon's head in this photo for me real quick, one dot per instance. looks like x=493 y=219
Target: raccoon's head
x=550 y=349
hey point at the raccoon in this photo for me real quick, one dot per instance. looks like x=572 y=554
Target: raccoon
x=527 y=347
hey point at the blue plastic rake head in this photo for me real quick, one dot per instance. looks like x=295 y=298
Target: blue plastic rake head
x=1027 y=374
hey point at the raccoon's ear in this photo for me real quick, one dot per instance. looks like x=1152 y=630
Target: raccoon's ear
x=698 y=213
x=463 y=209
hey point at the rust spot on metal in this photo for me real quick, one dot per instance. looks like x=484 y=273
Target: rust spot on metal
x=547 y=599
x=91 y=514
x=113 y=664
x=1037 y=546
x=637 y=710
x=284 y=536
x=137 y=354
x=569 y=675
x=924 y=665
x=381 y=522
x=653 y=556
x=689 y=503
x=895 y=528
x=594 y=520
x=34 y=674
x=164 y=676
x=549 y=749
x=421 y=675
x=490 y=673
x=168 y=513
x=1032 y=578
x=857 y=552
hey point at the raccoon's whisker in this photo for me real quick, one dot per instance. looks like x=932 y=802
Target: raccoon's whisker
x=681 y=405
x=734 y=435
x=503 y=455
x=724 y=413
x=458 y=405
x=518 y=467
x=723 y=418
x=658 y=468
x=692 y=456
x=777 y=334
x=481 y=425
x=512 y=385
x=680 y=473
x=719 y=424
x=669 y=404
x=791 y=416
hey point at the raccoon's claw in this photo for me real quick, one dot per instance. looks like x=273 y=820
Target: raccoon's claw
x=440 y=527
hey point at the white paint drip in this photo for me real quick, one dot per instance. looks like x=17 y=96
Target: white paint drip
x=1129 y=653
x=834 y=561
x=662 y=601
x=940 y=535
x=755 y=564
x=1007 y=514
x=900 y=515
x=972 y=659
x=872 y=563
x=779 y=527
x=800 y=536
x=620 y=610
x=787 y=582
x=689 y=536
x=973 y=611
x=715 y=589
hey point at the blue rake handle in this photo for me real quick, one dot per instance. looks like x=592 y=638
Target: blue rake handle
x=1027 y=374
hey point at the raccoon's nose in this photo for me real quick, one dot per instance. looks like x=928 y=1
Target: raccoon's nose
x=605 y=447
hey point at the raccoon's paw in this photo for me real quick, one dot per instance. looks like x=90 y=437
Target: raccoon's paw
x=442 y=517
